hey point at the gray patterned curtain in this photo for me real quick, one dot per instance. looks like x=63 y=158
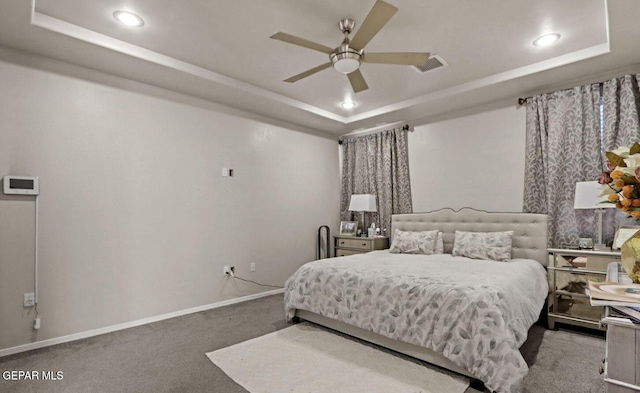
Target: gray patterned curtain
x=621 y=127
x=563 y=146
x=377 y=164
x=566 y=144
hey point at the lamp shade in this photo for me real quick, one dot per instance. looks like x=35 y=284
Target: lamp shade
x=587 y=196
x=363 y=203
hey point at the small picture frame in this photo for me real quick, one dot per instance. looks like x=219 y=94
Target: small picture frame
x=623 y=234
x=348 y=228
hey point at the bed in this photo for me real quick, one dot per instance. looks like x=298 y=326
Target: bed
x=467 y=315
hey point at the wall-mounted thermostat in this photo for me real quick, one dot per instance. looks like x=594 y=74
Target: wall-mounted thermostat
x=21 y=185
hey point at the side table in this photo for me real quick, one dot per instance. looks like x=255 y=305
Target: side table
x=568 y=301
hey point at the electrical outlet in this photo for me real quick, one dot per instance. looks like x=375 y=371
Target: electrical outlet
x=29 y=299
x=36 y=324
x=253 y=266
x=228 y=270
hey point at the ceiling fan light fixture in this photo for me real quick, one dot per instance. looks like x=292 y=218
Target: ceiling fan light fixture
x=128 y=18
x=546 y=39
x=345 y=60
x=346 y=66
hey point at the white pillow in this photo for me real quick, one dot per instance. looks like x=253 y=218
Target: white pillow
x=408 y=242
x=494 y=246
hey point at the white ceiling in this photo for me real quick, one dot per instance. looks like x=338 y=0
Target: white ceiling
x=221 y=51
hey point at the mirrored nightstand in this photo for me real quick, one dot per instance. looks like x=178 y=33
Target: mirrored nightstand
x=568 y=273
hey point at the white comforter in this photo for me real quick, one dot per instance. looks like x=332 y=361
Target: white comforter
x=476 y=313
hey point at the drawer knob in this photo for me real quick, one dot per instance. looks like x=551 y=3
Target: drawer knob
x=342 y=242
x=364 y=244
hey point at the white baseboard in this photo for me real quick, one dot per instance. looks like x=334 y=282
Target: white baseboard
x=126 y=325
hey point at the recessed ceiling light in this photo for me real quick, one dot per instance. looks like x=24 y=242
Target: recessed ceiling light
x=546 y=39
x=348 y=105
x=128 y=18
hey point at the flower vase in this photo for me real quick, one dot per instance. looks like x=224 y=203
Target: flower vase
x=630 y=257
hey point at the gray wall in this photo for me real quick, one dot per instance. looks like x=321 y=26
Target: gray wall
x=135 y=218
x=473 y=158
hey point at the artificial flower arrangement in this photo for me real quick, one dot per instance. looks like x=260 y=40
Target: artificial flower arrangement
x=622 y=187
x=622 y=183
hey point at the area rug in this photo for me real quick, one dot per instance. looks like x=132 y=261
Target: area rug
x=308 y=358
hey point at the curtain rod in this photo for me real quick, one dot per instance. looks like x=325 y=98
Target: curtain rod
x=406 y=127
x=619 y=73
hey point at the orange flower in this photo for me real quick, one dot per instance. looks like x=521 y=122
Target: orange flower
x=614 y=197
x=628 y=188
x=619 y=205
x=635 y=203
x=626 y=208
x=617 y=174
x=635 y=214
x=625 y=202
x=618 y=183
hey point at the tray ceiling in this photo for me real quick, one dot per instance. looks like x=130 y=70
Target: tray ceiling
x=221 y=51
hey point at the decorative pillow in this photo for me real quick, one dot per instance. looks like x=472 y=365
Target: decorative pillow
x=439 y=244
x=494 y=246
x=407 y=242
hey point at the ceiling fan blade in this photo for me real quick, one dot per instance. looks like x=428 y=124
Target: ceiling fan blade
x=377 y=18
x=357 y=81
x=402 y=58
x=308 y=72
x=291 y=39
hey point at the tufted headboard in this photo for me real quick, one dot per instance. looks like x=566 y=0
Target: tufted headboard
x=529 y=230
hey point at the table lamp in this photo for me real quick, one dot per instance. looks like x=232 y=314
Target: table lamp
x=363 y=203
x=587 y=197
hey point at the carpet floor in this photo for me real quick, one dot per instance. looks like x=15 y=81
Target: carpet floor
x=169 y=356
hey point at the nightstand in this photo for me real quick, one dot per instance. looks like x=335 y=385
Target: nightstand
x=621 y=366
x=568 y=273
x=349 y=245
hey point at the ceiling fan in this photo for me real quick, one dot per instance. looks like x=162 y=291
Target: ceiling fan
x=347 y=57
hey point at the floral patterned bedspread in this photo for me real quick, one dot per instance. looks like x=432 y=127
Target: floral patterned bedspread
x=476 y=313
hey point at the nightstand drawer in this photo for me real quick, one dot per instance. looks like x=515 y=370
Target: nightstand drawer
x=343 y=253
x=576 y=306
x=354 y=243
x=349 y=245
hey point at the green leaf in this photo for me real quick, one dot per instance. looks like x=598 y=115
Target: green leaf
x=615 y=159
x=635 y=149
